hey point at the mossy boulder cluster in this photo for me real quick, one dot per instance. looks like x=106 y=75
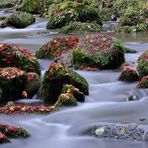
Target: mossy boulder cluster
x=130 y=74
x=134 y=20
x=18 y=20
x=17 y=84
x=64 y=13
x=98 y=51
x=8 y=131
x=19 y=73
x=15 y=56
x=55 y=77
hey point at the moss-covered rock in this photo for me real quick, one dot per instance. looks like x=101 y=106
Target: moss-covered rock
x=98 y=51
x=57 y=46
x=82 y=13
x=62 y=18
x=19 y=20
x=128 y=74
x=23 y=59
x=80 y=27
x=142 y=67
x=55 y=77
x=12 y=82
x=7 y=3
x=33 y=6
x=143 y=83
x=133 y=20
x=33 y=84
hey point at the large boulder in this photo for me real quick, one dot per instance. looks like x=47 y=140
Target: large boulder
x=56 y=47
x=11 y=56
x=12 y=83
x=19 y=20
x=7 y=3
x=98 y=51
x=142 y=67
x=55 y=77
x=80 y=27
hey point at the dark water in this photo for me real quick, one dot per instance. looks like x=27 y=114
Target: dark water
x=107 y=101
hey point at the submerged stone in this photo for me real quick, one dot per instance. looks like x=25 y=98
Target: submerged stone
x=11 y=56
x=98 y=51
x=55 y=77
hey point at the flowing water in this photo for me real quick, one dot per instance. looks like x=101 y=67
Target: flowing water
x=107 y=101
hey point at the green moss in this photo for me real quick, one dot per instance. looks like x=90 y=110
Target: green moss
x=20 y=19
x=81 y=27
x=7 y=3
x=62 y=15
x=54 y=79
x=98 y=51
x=32 y=6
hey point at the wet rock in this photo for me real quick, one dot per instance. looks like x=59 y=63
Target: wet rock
x=128 y=74
x=12 y=82
x=19 y=20
x=80 y=27
x=98 y=51
x=55 y=77
x=142 y=67
x=8 y=131
x=33 y=84
x=143 y=83
x=118 y=131
x=11 y=56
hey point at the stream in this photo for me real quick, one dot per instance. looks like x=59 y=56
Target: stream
x=107 y=101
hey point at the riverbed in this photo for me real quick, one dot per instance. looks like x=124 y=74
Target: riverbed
x=107 y=101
